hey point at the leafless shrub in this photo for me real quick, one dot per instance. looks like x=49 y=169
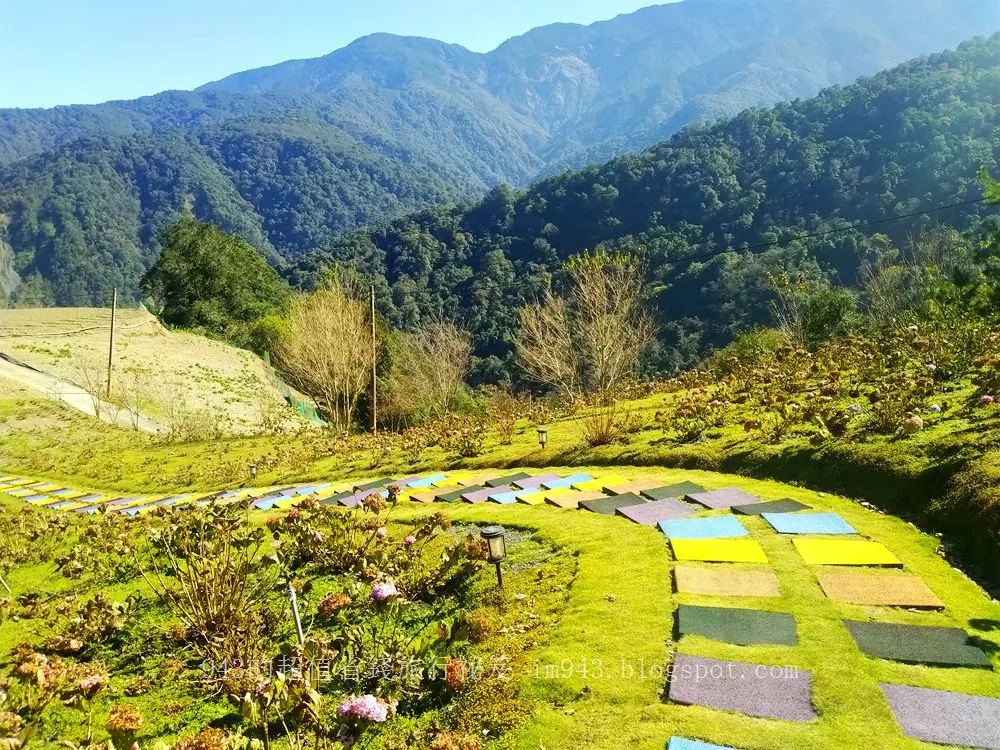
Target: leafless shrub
x=588 y=341
x=325 y=351
x=429 y=370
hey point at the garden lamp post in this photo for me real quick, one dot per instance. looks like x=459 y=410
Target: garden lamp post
x=543 y=437
x=497 y=545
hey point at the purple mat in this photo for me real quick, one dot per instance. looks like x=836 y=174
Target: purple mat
x=943 y=717
x=751 y=689
x=536 y=481
x=723 y=499
x=649 y=514
x=480 y=496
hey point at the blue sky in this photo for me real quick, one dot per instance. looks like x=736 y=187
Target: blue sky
x=87 y=51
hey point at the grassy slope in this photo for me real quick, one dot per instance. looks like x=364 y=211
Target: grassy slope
x=176 y=367
x=619 y=611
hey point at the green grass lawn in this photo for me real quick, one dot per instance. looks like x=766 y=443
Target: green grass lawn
x=619 y=611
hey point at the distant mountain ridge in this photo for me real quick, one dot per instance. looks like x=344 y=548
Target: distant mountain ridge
x=293 y=155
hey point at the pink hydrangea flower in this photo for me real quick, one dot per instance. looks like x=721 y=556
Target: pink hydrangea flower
x=382 y=592
x=715 y=404
x=381 y=532
x=91 y=684
x=365 y=707
x=410 y=540
x=986 y=400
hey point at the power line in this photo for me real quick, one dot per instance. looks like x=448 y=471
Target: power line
x=813 y=235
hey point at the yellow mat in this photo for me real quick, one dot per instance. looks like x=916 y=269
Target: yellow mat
x=534 y=498
x=427 y=496
x=718 y=550
x=726 y=581
x=841 y=552
x=599 y=484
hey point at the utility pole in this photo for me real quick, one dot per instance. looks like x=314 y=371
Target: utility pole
x=111 y=343
x=374 y=364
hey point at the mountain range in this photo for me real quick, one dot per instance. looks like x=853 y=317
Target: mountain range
x=294 y=155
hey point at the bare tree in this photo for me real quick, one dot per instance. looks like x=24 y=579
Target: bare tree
x=325 y=351
x=546 y=348
x=91 y=373
x=430 y=368
x=134 y=391
x=588 y=341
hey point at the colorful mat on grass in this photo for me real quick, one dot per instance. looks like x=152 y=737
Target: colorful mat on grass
x=723 y=499
x=944 y=717
x=726 y=581
x=719 y=527
x=662 y=492
x=679 y=743
x=718 y=550
x=772 y=506
x=808 y=523
x=752 y=689
x=879 y=590
x=649 y=514
x=742 y=627
x=845 y=552
x=917 y=644
x=608 y=506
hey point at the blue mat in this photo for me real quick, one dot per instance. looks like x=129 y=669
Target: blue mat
x=554 y=484
x=679 y=743
x=721 y=527
x=426 y=481
x=808 y=523
x=510 y=497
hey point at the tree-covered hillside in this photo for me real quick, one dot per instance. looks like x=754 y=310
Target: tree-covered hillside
x=292 y=156
x=905 y=141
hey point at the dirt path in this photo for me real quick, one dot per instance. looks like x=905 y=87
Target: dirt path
x=71 y=394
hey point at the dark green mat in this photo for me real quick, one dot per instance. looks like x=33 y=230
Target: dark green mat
x=744 y=627
x=510 y=479
x=456 y=495
x=774 y=506
x=672 y=490
x=607 y=506
x=335 y=499
x=377 y=484
x=917 y=644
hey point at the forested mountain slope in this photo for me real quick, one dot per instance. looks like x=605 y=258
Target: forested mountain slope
x=293 y=156
x=904 y=141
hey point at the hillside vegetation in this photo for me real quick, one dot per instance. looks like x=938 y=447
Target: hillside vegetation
x=292 y=156
x=908 y=140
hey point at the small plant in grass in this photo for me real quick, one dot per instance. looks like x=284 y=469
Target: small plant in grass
x=213 y=569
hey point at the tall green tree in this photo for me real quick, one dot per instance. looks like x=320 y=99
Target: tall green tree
x=212 y=281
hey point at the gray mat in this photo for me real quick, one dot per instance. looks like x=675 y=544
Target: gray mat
x=672 y=490
x=608 y=506
x=943 y=717
x=723 y=499
x=751 y=689
x=774 y=506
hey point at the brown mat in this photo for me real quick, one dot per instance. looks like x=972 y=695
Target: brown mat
x=572 y=500
x=879 y=591
x=725 y=582
x=427 y=496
